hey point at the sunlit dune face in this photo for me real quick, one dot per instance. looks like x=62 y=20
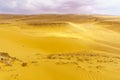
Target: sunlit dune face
x=59 y=47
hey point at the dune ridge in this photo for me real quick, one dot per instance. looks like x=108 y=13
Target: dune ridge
x=60 y=47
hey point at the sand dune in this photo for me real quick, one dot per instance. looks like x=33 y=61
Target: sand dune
x=68 y=47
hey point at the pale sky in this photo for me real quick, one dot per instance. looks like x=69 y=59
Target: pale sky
x=110 y=7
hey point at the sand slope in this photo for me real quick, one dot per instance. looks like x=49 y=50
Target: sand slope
x=60 y=50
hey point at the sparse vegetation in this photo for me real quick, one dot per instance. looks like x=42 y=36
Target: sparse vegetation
x=24 y=64
x=79 y=58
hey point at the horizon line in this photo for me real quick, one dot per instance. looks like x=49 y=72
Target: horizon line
x=55 y=14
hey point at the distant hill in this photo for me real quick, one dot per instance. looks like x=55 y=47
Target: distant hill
x=37 y=20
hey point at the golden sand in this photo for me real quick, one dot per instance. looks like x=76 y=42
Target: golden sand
x=63 y=50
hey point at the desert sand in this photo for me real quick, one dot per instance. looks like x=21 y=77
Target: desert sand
x=59 y=47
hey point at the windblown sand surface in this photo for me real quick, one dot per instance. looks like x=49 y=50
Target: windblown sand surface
x=59 y=47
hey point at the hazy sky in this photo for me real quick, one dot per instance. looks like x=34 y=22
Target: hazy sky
x=111 y=7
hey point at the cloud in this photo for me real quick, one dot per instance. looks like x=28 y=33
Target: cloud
x=45 y=6
x=60 y=6
x=111 y=7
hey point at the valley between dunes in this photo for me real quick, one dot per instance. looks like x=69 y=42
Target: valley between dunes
x=60 y=47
